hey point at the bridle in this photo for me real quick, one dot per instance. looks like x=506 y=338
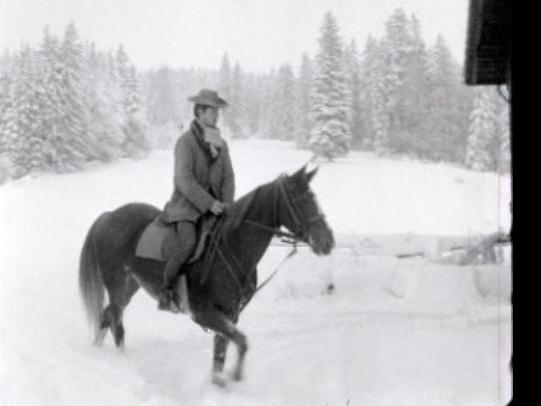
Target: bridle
x=302 y=228
x=301 y=233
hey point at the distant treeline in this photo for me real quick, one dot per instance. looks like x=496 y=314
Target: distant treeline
x=395 y=96
x=65 y=102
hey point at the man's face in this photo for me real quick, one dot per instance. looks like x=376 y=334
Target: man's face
x=209 y=116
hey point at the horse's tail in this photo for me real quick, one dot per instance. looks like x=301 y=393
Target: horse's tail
x=91 y=286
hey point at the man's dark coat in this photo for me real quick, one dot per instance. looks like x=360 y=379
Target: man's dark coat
x=199 y=178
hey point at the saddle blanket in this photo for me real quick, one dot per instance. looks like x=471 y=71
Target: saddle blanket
x=152 y=240
x=158 y=240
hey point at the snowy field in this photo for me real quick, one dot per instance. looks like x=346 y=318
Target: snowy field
x=394 y=332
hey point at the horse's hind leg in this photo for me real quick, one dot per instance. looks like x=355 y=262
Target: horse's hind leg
x=220 y=324
x=102 y=327
x=106 y=321
x=117 y=327
x=113 y=314
x=118 y=306
x=111 y=318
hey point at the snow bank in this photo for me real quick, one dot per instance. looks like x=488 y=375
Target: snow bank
x=384 y=283
x=394 y=331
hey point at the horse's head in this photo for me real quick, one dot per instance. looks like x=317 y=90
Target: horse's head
x=299 y=212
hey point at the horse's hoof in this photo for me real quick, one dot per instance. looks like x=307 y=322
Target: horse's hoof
x=219 y=379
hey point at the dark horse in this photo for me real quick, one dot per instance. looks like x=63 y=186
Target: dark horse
x=219 y=287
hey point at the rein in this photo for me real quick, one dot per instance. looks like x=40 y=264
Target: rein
x=287 y=237
x=290 y=238
x=276 y=269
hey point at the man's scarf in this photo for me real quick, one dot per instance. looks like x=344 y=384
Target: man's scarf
x=209 y=138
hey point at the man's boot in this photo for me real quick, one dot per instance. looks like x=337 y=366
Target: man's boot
x=169 y=293
x=168 y=296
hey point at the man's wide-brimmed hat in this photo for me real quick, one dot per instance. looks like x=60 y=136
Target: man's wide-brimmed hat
x=207 y=97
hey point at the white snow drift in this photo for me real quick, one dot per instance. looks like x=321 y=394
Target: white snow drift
x=394 y=331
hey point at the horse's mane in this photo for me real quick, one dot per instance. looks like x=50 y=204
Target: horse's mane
x=238 y=210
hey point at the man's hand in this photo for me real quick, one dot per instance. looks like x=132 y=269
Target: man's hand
x=218 y=207
x=225 y=207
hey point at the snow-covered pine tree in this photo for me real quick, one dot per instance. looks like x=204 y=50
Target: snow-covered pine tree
x=184 y=82
x=269 y=105
x=162 y=101
x=284 y=120
x=464 y=96
x=356 y=121
x=414 y=92
x=373 y=95
x=482 y=132
x=51 y=77
x=31 y=148
x=304 y=89
x=330 y=136
x=396 y=46
x=135 y=142
x=121 y=68
x=5 y=62
x=69 y=137
x=367 y=89
x=5 y=83
x=7 y=73
x=136 y=123
x=24 y=145
x=105 y=112
x=133 y=100
x=504 y=139
x=253 y=104
x=114 y=83
x=162 y=97
x=236 y=111
x=444 y=136
x=225 y=78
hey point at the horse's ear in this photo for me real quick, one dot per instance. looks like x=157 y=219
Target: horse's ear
x=300 y=173
x=311 y=174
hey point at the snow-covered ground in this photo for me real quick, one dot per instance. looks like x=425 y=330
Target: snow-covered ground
x=394 y=332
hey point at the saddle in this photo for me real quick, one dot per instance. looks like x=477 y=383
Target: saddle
x=158 y=239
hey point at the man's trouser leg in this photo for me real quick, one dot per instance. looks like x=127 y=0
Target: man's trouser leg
x=186 y=240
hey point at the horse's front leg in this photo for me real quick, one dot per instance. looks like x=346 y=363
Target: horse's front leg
x=215 y=320
x=220 y=349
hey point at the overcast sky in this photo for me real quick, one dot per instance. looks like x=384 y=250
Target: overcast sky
x=259 y=34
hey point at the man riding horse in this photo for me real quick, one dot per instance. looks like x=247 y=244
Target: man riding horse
x=204 y=185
